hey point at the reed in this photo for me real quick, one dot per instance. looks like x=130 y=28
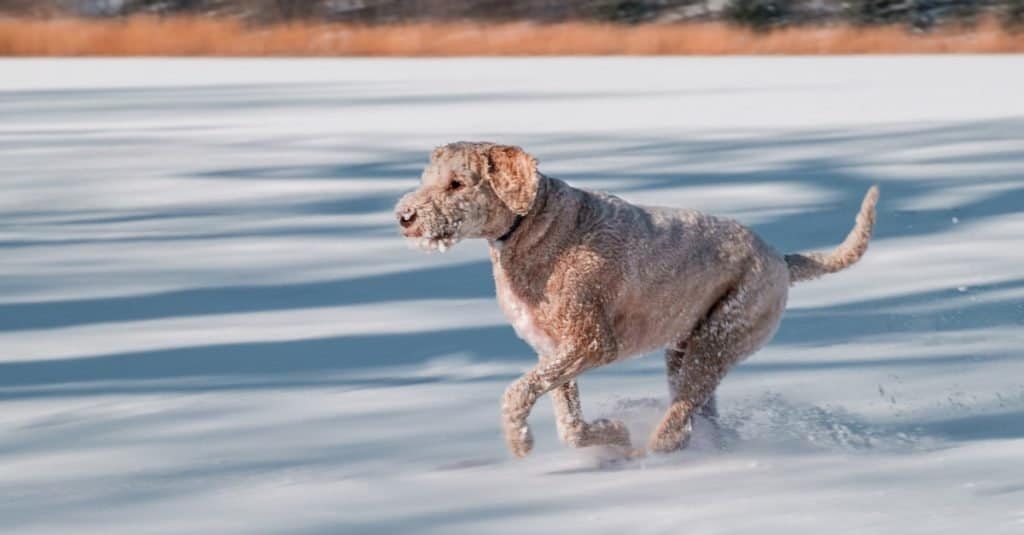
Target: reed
x=184 y=36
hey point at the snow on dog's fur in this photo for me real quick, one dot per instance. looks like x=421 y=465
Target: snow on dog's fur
x=587 y=279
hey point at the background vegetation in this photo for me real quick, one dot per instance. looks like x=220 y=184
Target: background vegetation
x=491 y=27
x=761 y=14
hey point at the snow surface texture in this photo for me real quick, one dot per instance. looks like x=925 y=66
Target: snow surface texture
x=208 y=323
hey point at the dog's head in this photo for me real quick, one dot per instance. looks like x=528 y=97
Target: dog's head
x=468 y=190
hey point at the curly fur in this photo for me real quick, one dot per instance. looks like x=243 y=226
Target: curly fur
x=588 y=279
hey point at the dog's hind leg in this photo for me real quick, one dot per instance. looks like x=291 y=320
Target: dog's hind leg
x=709 y=409
x=679 y=380
x=738 y=325
x=674 y=360
x=674 y=371
x=577 y=432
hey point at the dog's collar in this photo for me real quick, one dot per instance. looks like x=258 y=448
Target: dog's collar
x=508 y=234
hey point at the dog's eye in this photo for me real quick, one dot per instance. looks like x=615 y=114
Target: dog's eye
x=454 y=185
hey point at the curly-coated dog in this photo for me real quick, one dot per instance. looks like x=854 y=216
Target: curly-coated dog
x=587 y=279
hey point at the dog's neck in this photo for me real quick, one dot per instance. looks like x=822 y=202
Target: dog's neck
x=519 y=262
x=530 y=240
x=508 y=233
x=522 y=223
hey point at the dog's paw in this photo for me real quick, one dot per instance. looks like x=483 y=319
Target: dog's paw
x=668 y=439
x=611 y=432
x=519 y=440
x=663 y=444
x=609 y=456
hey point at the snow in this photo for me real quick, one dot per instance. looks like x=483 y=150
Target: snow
x=209 y=324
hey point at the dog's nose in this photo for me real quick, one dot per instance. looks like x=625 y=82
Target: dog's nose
x=407 y=217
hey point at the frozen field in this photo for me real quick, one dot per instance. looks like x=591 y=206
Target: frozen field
x=208 y=323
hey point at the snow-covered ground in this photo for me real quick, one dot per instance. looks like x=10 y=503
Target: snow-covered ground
x=208 y=323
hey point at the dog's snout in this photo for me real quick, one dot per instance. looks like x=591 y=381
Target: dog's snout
x=407 y=217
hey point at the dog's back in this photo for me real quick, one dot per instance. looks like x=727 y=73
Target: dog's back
x=664 y=268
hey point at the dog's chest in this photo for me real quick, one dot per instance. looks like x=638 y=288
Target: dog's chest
x=522 y=317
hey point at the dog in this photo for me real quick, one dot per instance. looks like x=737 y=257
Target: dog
x=587 y=279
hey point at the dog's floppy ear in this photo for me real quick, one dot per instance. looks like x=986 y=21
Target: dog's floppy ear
x=513 y=176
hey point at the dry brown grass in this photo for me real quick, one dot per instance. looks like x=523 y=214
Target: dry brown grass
x=223 y=37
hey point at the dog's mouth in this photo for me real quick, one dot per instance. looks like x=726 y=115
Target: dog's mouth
x=434 y=235
x=437 y=243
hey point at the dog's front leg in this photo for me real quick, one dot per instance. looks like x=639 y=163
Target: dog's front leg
x=588 y=343
x=521 y=396
x=577 y=432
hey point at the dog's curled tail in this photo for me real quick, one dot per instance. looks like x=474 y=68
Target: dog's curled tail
x=813 y=265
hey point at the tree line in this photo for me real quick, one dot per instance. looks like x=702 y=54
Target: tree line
x=761 y=14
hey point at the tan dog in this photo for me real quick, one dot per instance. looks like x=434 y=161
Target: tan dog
x=587 y=279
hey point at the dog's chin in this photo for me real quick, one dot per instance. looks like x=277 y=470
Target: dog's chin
x=435 y=244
